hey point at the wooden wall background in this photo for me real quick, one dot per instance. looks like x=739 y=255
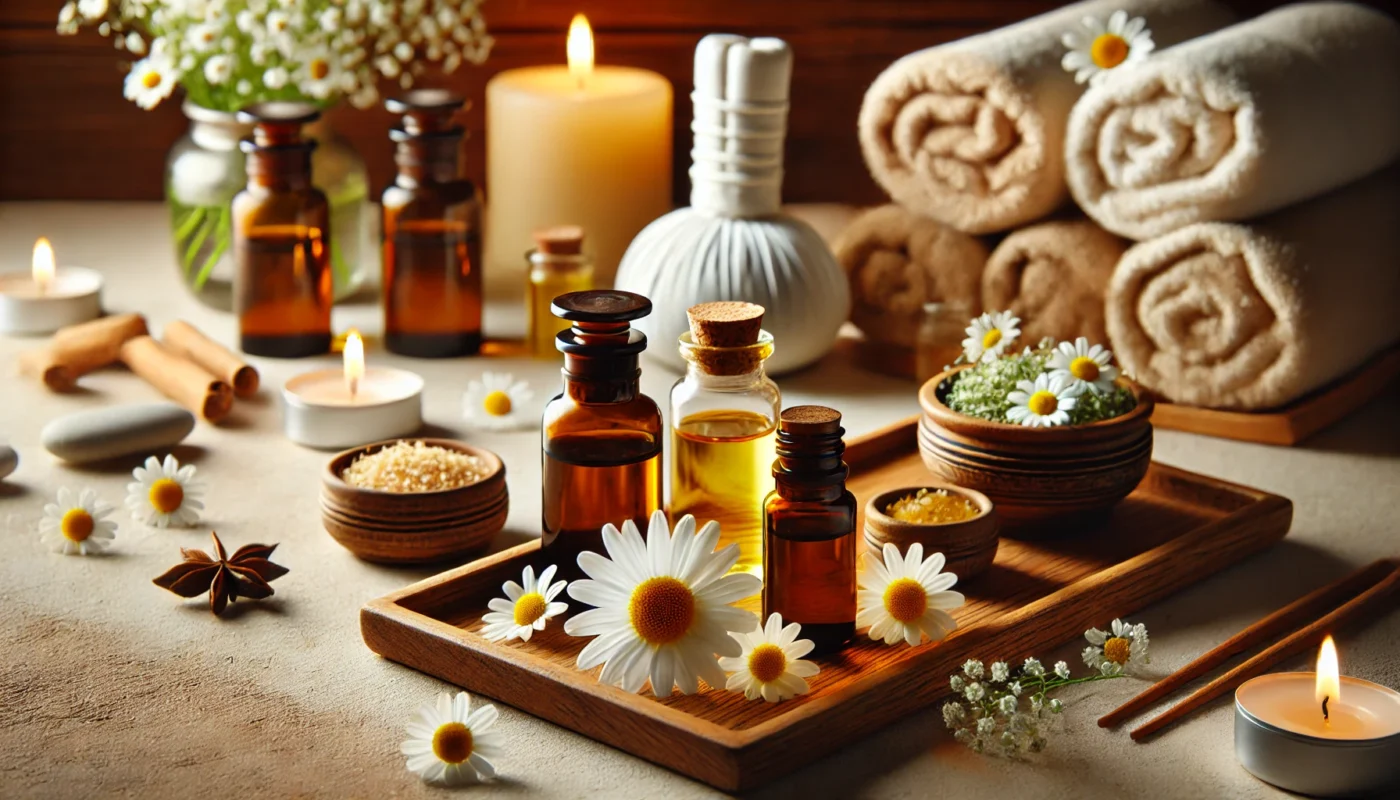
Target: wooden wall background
x=66 y=132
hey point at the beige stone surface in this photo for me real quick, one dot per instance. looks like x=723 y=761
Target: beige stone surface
x=112 y=687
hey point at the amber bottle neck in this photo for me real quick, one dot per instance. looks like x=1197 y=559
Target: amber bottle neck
x=281 y=168
x=428 y=159
x=600 y=380
x=809 y=466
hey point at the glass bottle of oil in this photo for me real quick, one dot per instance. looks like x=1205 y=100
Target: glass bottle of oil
x=724 y=414
x=281 y=238
x=809 y=530
x=558 y=266
x=432 y=241
x=602 y=436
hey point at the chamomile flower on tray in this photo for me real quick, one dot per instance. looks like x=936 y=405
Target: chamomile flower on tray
x=527 y=607
x=907 y=597
x=771 y=664
x=452 y=744
x=165 y=494
x=498 y=402
x=1112 y=651
x=77 y=523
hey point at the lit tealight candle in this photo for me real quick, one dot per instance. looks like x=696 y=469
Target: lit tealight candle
x=1319 y=733
x=353 y=405
x=48 y=298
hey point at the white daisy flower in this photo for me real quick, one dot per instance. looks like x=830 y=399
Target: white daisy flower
x=770 y=665
x=202 y=37
x=218 y=69
x=451 y=744
x=319 y=73
x=1044 y=403
x=165 y=495
x=1100 y=48
x=496 y=402
x=662 y=606
x=527 y=607
x=275 y=78
x=1085 y=367
x=1111 y=652
x=77 y=523
x=93 y=9
x=990 y=334
x=150 y=81
x=907 y=597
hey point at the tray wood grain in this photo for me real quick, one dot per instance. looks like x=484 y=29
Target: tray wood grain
x=1177 y=528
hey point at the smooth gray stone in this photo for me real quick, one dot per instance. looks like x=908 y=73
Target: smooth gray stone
x=9 y=459
x=116 y=431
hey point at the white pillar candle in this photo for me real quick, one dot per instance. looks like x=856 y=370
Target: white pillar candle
x=354 y=405
x=48 y=298
x=576 y=145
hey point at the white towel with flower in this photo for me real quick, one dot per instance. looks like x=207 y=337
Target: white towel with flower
x=1239 y=123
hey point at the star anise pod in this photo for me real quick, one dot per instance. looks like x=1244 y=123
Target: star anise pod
x=246 y=574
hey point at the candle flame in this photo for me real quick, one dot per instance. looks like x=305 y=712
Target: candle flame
x=354 y=362
x=580 y=49
x=43 y=264
x=1329 y=682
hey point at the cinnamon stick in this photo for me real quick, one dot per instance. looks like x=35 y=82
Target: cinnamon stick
x=79 y=349
x=1364 y=604
x=183 y=381
x=187 y=340
x=1309 y=607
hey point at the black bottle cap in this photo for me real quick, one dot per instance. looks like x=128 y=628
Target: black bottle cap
x=600 y=305
x=426 y=112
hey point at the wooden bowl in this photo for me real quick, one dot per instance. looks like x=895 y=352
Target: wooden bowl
x=414 y=527
x=1042 y=480
x=970 y=545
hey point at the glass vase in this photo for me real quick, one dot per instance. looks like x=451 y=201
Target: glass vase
x=205 y=169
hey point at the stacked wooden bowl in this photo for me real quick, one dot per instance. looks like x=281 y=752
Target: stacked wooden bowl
x=414 y=527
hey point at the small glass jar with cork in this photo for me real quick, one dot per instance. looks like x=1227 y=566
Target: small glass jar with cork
x=432 y=242
x=809 y=530
x=724 y=416
x=558 y=266
x=281 y=238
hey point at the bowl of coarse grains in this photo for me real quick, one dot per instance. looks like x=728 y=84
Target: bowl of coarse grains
x=411 y=501
x=962 y=524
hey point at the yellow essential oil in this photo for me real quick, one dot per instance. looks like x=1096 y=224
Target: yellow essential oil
x=722 y=470
x=558 y=266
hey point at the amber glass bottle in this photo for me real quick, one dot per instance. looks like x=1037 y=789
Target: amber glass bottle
x=602 y=436
x=558 y=266
x=281 y=238
x=809 y=530
x=432 y=240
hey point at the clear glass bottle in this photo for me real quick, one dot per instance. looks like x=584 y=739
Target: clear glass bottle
x=724 y=414
x=558 y=266
x=281 y=232
x=809 y=530
x=432 y=239
x=939 y=342
x=602 y=437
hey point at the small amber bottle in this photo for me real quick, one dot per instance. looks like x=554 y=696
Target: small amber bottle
x=809 y=530
x=602 y=436
x=432 y=241
x=281 y=238
x=558 y=266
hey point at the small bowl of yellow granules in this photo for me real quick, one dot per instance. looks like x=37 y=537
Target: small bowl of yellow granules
x=409 y=501
x=959 y=523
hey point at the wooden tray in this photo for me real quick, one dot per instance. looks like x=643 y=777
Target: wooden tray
x=1177 y=528
x=1294 y=422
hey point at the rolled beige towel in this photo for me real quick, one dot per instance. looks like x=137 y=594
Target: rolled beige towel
x=1239 y=123
x=1253 y=316
x=1053 y=276
x=897 y=261
x=972 y=132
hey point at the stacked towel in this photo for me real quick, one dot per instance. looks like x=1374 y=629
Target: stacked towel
x=1053 y=276
x=1239 y=123
x=972 y=132
x=1253 y=316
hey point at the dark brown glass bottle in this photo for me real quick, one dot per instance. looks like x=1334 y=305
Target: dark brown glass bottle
x=281 y=238
x=432 y=239
x=602 y=436
x=809 y=530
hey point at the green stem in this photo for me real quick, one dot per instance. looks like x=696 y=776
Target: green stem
x=196 y=242
x=188 y=222
x=222 y=235
x=340 y=271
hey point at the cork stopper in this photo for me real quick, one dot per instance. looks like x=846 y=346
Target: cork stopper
x=560 y=240
x=810 y=421
x=725 y=324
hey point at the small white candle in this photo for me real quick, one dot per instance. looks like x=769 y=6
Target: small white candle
x=48 y=298
x=354 y=405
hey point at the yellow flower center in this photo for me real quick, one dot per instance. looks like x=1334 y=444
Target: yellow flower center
x=166 y=496
x=1108 y=50
x=529 y=608
x=319 y=69
x=1117 y=650
x=661 y=610
x=767 y=663
x=76 y=525
x=1043 y=403
x=906 y=599
x=497 y=404
x=1085 y=369
x=150 y=80
x=452 y=742
x=991 y=338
